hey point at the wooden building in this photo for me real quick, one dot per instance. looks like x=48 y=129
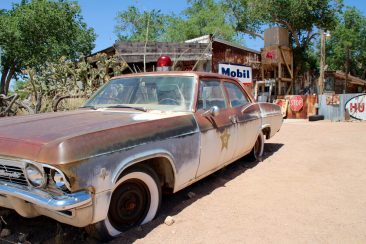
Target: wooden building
x=200 y=54
x=337 y=82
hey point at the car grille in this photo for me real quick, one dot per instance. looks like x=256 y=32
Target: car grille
x=12 y=174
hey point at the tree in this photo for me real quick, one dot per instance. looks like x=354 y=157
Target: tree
x=133 y=23
x=35 y=32
x=202 y=17
x=302 y=19
x=345 y=49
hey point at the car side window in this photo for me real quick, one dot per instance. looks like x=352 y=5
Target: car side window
x=236 y=95
x=210 y=94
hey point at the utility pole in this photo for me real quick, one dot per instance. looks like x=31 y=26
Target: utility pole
x=322 y=62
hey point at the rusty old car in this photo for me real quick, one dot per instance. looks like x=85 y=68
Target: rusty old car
x=106 y=165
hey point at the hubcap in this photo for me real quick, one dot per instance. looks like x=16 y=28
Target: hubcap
x=129 y=205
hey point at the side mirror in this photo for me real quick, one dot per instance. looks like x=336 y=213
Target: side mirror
x=213 y=111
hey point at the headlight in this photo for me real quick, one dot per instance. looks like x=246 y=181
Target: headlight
x=35 y=176
x=59 y=181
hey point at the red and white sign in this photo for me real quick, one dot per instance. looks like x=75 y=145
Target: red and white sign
x=296 y=103
x=356 y=107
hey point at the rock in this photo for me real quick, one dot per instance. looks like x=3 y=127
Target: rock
x=191 y=194
x=5 y=233
x=169 y=220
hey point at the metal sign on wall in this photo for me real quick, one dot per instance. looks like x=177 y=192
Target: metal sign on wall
x=296 y=103
x=243 y=73
x=356 y=107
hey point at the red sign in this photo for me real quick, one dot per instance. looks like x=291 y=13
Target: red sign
x=356 y=107
x=270 y=55
x=296 y=103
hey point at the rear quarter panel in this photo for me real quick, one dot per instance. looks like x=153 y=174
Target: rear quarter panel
x=271 y=117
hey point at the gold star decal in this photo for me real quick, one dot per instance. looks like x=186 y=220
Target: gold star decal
x=225 y=140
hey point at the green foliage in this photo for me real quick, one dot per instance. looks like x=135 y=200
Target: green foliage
x=346 y=47
x=202 y=17
x=132 y=24
x=20 y=87
x=302 y=19
x=35 y=32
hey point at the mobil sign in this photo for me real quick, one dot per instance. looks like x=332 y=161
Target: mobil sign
x=356 y=107
x=243 y=73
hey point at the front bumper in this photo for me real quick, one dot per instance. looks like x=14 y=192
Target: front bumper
x=75 y=209
x=46 y=200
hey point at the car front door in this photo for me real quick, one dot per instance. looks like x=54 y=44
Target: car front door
x=218 y=132
x=247 y=116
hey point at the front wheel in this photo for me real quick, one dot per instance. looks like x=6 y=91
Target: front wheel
x=258 y=148
x=135 y=201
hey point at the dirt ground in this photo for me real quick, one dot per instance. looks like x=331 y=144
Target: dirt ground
x=310 y=187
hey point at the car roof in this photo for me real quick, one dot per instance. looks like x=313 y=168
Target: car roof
x=179 y=73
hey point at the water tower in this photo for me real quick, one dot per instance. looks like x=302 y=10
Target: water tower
x=277 y=60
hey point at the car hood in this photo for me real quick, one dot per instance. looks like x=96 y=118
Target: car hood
x=64 y=137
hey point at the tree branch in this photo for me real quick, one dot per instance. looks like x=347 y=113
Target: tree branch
x=8 y=78
x=252 y=33
x=3 y=79
x=310 y=36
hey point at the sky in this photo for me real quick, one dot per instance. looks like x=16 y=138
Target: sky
x=101 y=14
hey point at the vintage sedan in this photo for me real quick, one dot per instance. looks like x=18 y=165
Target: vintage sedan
x=106 y=165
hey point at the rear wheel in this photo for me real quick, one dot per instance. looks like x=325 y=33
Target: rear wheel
x=135 y=201
x=258 y=148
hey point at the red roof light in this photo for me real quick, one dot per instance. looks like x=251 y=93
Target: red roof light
x=164 y=61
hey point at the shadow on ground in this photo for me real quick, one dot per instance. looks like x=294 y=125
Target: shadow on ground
x=45 y=230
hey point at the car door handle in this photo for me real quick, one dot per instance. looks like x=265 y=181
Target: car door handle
x=233 y=119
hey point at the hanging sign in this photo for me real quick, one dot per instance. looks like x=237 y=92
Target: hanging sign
x=243 y=73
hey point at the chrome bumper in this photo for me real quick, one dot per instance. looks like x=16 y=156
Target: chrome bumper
x=47 y=201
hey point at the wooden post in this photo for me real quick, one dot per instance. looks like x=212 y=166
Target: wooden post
x=322 y=62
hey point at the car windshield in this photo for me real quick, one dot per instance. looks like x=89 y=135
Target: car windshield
x=167 y=93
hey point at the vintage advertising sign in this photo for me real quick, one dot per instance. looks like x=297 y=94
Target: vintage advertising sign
x=356 y=107
x=243 y=73
x=296 y=103
x=333 y=100
x=283 y=103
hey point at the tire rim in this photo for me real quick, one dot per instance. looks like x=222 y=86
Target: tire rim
x=129 y=205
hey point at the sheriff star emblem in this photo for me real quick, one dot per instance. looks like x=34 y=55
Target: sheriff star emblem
x=224 y=140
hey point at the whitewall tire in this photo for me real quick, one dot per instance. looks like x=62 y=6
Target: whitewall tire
x=135 y=201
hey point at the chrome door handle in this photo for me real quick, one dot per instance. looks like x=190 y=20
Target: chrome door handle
x=233 y=119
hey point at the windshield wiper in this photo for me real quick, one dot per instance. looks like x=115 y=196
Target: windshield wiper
x=125 y=106
x=89 y=106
